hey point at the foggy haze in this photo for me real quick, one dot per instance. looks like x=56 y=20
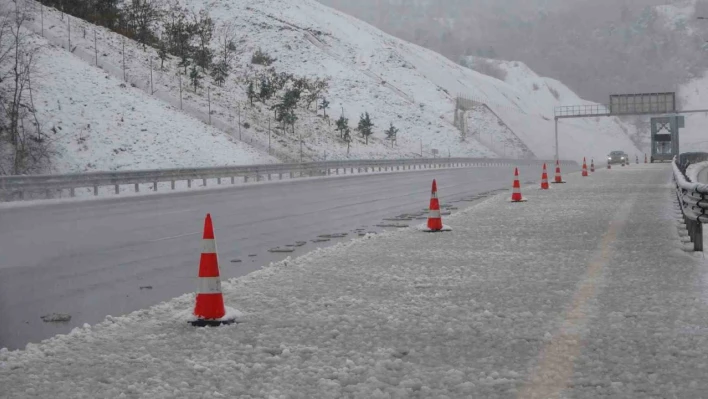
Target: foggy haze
x=597 y=47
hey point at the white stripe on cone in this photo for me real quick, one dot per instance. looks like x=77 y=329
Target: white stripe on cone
x=434 y=214
x=208 y=246
x=209 y=285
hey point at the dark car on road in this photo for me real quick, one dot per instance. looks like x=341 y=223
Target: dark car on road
x=617 y=157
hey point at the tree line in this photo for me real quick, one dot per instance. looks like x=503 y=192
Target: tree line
x=192 y=37
x=202 y=47
x=24 y=147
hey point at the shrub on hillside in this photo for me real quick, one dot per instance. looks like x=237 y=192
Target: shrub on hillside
x=554 y=92
x=260 y=57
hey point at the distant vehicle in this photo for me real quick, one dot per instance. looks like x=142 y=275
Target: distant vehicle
x=617 y=157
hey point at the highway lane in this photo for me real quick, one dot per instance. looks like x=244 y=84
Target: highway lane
x=94 y=258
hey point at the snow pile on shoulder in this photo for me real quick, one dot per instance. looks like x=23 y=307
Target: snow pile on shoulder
x=463 y=314
x=97 y=123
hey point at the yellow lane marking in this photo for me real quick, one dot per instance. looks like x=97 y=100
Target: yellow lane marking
x=554 y=370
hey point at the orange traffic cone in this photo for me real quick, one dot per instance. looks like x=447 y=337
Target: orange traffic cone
x=434 y=218
x=516 y=190
x=558 y=179
x=585 y=169
x=592 y=166
x=209 y=308
x=544 y=178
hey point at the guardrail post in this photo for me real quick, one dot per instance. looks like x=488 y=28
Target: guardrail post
x=692 y=232
x=48 y=193
x=172 y=184
x=95 y=190
x=233 y=180
x=21 y=194
x=292 y=175
x=154 y=186
x=117 y=188
x=280 y=176
x=189 y=183
x=337 y=171
x=698 y=239
x=245 y=179
x=137 y=187
x=72 y=192
x=218 y=180
x=204 y=181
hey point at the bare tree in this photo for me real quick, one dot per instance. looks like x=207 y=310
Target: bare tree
x=226 y=37
x=142 y=15
x=23 y=147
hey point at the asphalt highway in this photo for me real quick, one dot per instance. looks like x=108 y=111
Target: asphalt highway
x=89 y=259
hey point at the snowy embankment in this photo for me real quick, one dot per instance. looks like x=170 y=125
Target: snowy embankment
x=96 y=123
x=519 y=300
x=369 y=71
x=694 y=96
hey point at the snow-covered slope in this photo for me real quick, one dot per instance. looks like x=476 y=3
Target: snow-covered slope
x=694 y=95
x=97 y=123
x=532 y=119
x=370 y=71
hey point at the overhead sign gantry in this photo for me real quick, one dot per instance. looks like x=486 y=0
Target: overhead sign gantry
x=632 y=104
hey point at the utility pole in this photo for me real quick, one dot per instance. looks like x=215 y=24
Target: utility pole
x=180 y=89
x=557 y=157
x=68 y=23
x=124 y=77
x=151 y=89
x=300 y=147
x=268 y=136
x=95 y=45
x=41 y=11
x=209 y=103
x=239 y=122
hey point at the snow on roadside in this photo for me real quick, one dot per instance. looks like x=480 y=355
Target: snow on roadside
x=96 y=123
x=407 y=314
x=694 y=170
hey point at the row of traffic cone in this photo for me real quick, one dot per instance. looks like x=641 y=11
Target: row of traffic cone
x=209 y=309
x=435 y=219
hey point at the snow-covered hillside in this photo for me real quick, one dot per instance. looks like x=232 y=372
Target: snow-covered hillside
x=529 y=112
x=694 y=95
x=97 y=123
x=369 y=71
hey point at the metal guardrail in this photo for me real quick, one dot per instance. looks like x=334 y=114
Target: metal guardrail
x=692 y=197
x=18 y=187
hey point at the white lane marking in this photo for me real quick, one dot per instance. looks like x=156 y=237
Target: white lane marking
x=169 y=238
